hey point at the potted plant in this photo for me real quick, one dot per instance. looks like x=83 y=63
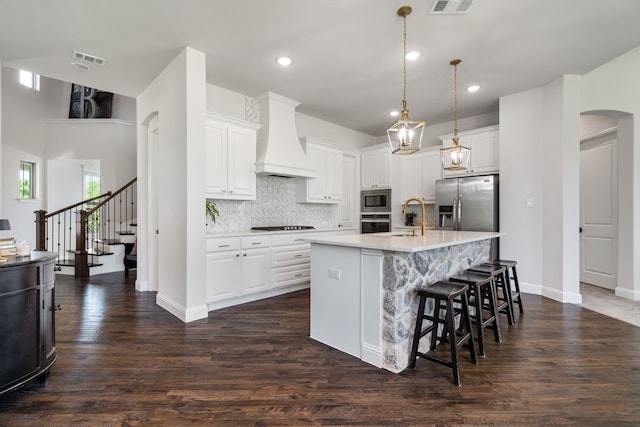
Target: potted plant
x=211 y=210
x=408 y=218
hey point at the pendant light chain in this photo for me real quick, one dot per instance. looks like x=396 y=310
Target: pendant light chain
x=455 y=99
x=404 y=64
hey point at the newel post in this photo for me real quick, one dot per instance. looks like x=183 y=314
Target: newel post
x=41 y=230
x=81 y=257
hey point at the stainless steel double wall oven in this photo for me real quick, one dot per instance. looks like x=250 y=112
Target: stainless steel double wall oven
x=375 y=211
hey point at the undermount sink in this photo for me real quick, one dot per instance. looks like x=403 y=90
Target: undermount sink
x=404 y=233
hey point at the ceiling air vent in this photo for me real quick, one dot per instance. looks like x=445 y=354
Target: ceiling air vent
x=89 y=58
x=446 y=7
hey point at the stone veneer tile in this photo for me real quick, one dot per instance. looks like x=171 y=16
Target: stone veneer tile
x=404 y=273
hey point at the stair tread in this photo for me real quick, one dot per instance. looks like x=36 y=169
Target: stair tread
x=125 y=233
x=109 y=241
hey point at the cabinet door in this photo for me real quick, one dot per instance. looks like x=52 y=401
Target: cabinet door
x=241 y=157
x=410 y=177
x=346 y=217
x=222 y=275
x=318 y=159
x=216 y=159
x=484 y=153
x=366 y=169
x=431 y=171
x=333 y=174
x=382 y=169
x=254 y=265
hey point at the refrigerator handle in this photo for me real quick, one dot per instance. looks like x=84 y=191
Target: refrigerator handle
x=455 y=213
x=459 y=222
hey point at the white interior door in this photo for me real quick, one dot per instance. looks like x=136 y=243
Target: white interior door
x=599 y=211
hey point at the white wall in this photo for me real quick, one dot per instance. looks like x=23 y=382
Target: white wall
x=613 y=89
x=178 y=97
x=539 y=159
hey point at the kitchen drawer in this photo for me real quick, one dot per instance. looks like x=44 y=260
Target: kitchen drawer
x=291 y=255
x=288 y=239
x=223 y=244
x=285 y=276
x=250 y=242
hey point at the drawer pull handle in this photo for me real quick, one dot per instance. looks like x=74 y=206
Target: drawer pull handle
x=297 y=255
x=298 y=275
x=256 y=243
x=223 y=246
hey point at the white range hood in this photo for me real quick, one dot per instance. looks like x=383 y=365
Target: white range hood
x=278 y=148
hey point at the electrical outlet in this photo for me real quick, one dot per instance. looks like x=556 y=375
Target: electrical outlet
x=334 y=273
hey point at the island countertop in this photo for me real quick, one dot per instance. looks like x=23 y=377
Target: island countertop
x=404 y=241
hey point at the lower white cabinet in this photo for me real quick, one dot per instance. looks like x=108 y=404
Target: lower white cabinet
x=290 y=260
x=237 y=266
x=247 y=268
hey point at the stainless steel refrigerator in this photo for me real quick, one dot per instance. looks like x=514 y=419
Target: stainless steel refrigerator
x=469 y=203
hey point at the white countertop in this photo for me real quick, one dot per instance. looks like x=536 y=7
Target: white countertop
x=403 y=241
x=270 y=233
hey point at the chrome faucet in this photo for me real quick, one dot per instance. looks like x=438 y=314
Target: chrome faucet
x=423 y=222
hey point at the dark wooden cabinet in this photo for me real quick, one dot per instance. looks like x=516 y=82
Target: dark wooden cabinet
x=27 y=319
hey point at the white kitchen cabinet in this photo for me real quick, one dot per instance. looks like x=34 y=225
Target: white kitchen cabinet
x=237 y=266
x=375 y=168
x=347 y=216
x=326 y=187
x=230 y=158
x=484 y=145
x=419 y=173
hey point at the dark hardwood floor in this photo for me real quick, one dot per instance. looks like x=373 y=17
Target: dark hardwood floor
x=122 y=360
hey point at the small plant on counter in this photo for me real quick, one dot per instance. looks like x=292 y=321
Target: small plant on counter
x=409 y=216
x=212 y=211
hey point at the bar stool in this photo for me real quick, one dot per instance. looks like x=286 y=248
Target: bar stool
x=444 y=295
x=503 y=293
x=482 y=297
x=511 y=274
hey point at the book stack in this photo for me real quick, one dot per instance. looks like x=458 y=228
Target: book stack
x=8 y=246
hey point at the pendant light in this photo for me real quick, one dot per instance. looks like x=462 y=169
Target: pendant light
x=405 y=135
x=455 y=157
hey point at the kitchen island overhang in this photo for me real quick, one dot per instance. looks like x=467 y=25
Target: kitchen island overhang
x=363 y=298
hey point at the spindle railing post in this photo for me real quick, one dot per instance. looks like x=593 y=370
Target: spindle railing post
x=81 y=256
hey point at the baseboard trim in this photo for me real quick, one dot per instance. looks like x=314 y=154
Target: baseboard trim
x=181 y=312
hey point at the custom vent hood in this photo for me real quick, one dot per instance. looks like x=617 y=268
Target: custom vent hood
x=278 y=150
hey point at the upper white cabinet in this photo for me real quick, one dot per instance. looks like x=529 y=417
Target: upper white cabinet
x=375 y=168
x=485 y=150
x=231 y=158
x=326 y=187
x=419 y=173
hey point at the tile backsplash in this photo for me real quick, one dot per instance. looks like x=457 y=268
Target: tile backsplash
x=275 y=204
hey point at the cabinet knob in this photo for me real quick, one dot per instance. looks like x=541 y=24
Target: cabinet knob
x=237 y=255
x=230 y=191
x=245 y=254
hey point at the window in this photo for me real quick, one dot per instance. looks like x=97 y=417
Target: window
x=27 y=180
x=30 y=79
x=91 y=190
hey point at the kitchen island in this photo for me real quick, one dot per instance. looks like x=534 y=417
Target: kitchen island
x=363 y=298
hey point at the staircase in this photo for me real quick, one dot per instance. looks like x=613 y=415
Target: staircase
x=90 y=236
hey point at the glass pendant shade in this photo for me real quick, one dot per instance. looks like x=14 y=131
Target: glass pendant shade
x=455 y=157
x=405 y=135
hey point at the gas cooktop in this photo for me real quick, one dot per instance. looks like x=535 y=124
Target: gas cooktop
x=283 y=228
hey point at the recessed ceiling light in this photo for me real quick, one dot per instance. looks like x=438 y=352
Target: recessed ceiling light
x=284 y=61
x=80 y=67
x=413 y=55
x=394 y=113
x=473 y=88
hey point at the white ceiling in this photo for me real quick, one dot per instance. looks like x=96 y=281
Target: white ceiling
x=347 y=53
